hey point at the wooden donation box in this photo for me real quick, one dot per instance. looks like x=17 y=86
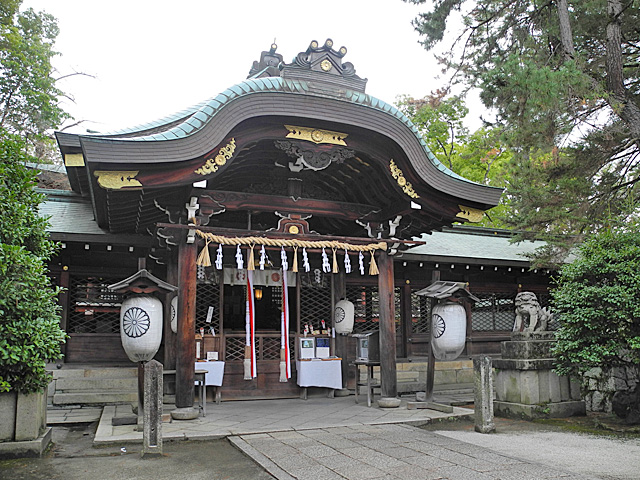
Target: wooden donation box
x=367 y=347
x=367 y=354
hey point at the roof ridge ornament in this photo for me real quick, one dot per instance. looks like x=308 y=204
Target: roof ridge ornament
x=269 y=64
x=322 y=64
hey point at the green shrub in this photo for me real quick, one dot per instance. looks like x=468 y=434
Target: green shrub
x=597 y=298
x=30 y=332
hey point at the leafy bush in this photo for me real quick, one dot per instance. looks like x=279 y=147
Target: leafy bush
x=30 y=332
x=597 y=298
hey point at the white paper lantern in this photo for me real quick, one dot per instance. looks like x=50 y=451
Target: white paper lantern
x=343 y=317
x=141 y=327
x=174 y=314
x=448 y=330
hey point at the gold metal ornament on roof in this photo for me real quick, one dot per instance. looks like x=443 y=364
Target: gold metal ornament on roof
x=474 y=215
x=115 y=180
x=326 y=65
x=213 y=164
x=402 y=181
x=316 y=135
x=74 y=160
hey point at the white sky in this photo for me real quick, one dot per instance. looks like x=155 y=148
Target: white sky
x=154 y=58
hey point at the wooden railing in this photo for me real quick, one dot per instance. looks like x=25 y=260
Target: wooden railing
x=267 y=346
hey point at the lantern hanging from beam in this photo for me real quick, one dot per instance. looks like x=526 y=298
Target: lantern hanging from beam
x=174 y=314
x=343 y=317
x=448 y=330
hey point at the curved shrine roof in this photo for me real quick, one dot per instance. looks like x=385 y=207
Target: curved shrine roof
x=318 y=90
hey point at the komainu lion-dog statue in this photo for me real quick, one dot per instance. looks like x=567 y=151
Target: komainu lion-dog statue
x=530 y=316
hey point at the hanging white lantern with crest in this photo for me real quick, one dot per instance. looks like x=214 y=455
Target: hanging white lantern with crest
x=174 y=314
x=141 y=314
x=141 y=327
x=448 y=330
x=343 y=317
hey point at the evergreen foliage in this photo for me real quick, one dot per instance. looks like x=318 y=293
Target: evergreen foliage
x=564 y=81
x=597 y=300
x=30 y=332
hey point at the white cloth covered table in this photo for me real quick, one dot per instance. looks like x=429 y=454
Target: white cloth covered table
x=215 y=372
x=320 y=373
x=213 y=377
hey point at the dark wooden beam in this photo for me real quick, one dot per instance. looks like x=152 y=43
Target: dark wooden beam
x=216 y=199
x=388 y=380
x=186 y=340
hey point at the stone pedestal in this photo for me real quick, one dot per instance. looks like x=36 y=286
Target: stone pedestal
x=526 y=385
x=152 y=433
x=23 y=424
x=483 y=395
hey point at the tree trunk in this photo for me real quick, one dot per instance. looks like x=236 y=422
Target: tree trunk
x=566 y=35
x=621 y=103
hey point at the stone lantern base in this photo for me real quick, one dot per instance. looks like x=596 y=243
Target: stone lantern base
x=526 y=385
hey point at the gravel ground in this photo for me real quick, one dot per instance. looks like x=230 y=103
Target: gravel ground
x=578 y=444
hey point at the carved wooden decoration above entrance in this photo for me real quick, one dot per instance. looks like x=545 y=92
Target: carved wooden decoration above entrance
x=293 y=224
x=311 y=158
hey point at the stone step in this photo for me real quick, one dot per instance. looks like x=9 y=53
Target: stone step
x=88 y=384
x=94 y=398
x=96 y=372
x=91 y=385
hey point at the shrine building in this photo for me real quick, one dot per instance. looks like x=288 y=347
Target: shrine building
x=282 y=195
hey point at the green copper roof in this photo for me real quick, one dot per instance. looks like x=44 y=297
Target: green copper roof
x=194 y=118
x=475 y=242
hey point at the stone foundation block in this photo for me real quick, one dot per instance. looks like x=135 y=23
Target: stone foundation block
x=531 y=412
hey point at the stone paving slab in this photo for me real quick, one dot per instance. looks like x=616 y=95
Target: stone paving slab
x=269 y=416
x=62 y=416
x=389 y=451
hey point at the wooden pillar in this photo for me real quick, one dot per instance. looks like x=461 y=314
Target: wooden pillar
x=186 y=340
x=170 y=337
x=388 y=380
x=338 y=292
x=431 y=365
x=63 y=299
x=406 y=320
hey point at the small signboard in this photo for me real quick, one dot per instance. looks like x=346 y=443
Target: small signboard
x=322 y=348
x=307 y=347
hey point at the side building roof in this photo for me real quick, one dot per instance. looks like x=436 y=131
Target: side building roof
x=474 y=245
